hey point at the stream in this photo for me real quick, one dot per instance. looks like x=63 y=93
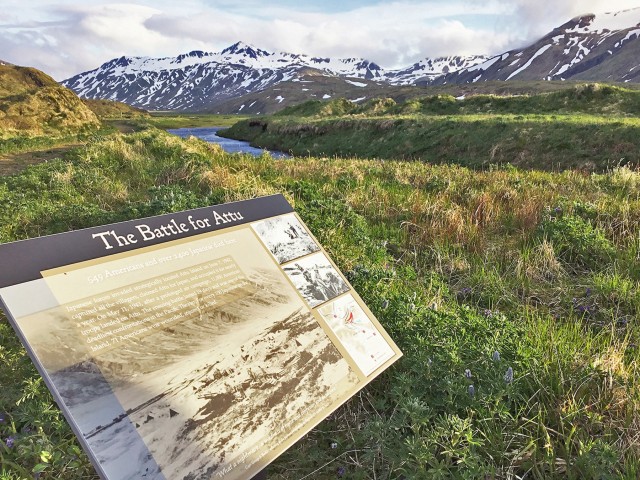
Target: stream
x=210 y=134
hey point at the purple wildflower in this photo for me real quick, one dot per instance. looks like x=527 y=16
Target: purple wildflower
x=10 y=441
x=508 y=376
x=467 y=373
x=341 y=471
x=472 y=391
x=496 y=356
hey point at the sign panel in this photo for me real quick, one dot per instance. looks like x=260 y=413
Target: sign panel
x=194 y=345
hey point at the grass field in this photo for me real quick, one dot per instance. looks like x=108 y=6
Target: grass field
x=513 y=294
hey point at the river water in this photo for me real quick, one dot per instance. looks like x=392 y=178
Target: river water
x=210 y=134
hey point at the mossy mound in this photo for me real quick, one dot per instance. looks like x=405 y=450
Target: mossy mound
x=32 y=102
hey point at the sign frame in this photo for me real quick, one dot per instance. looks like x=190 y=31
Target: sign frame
x=331 y=332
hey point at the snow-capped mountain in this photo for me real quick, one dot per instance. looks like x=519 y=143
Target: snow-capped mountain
x=603 y=47
x=241 y=77
x=198 y=80
x=201 y=80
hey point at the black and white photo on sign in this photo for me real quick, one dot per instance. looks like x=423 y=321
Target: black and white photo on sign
x=316 y=279
x=285 y=237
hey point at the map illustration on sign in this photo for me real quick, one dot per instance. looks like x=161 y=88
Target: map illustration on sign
x=358 y=334
x=200 y=357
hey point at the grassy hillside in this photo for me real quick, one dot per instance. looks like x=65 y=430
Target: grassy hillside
x=314 y=87
x=592 y=127
x=108 y=109
x=513 y=294
x=511 y=88
x=32 y=103
x=592 y=99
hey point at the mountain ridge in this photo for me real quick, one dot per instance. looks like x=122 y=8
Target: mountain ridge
x=200 y=80
x=586 y=48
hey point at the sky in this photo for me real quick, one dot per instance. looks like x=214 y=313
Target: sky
x=66 y=37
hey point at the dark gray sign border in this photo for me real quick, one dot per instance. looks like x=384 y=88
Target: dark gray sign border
x=22 y=261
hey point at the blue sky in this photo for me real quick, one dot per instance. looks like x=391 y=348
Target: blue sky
x=65 y=37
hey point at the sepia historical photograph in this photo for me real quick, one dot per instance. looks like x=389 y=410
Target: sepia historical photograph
x=316 y=279
x=285 y=237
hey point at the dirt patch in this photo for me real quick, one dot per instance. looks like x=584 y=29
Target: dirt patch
x=124 y=126
x=16 y=162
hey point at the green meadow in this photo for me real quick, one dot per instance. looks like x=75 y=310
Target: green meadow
x=511 y=284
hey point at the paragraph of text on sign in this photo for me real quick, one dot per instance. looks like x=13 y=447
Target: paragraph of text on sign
x=110 y=319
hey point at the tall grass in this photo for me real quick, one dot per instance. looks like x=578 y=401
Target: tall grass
x=528 y=280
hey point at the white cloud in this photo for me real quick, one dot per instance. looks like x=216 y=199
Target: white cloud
x=80 y=38
x=67 y=37
x=392 y=34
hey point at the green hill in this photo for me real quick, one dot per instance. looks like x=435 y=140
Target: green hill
x=594 y=98
x=591 y=127
x=33 y=103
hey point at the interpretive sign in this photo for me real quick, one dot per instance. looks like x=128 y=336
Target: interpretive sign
x=193 y=345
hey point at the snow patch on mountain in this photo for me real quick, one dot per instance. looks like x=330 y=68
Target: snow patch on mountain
x=486 y=64
x=528 y=64
x=357 y=84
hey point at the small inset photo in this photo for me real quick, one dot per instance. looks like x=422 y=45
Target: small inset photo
x=285 y=237
x=316 y=279
x=357 y=333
